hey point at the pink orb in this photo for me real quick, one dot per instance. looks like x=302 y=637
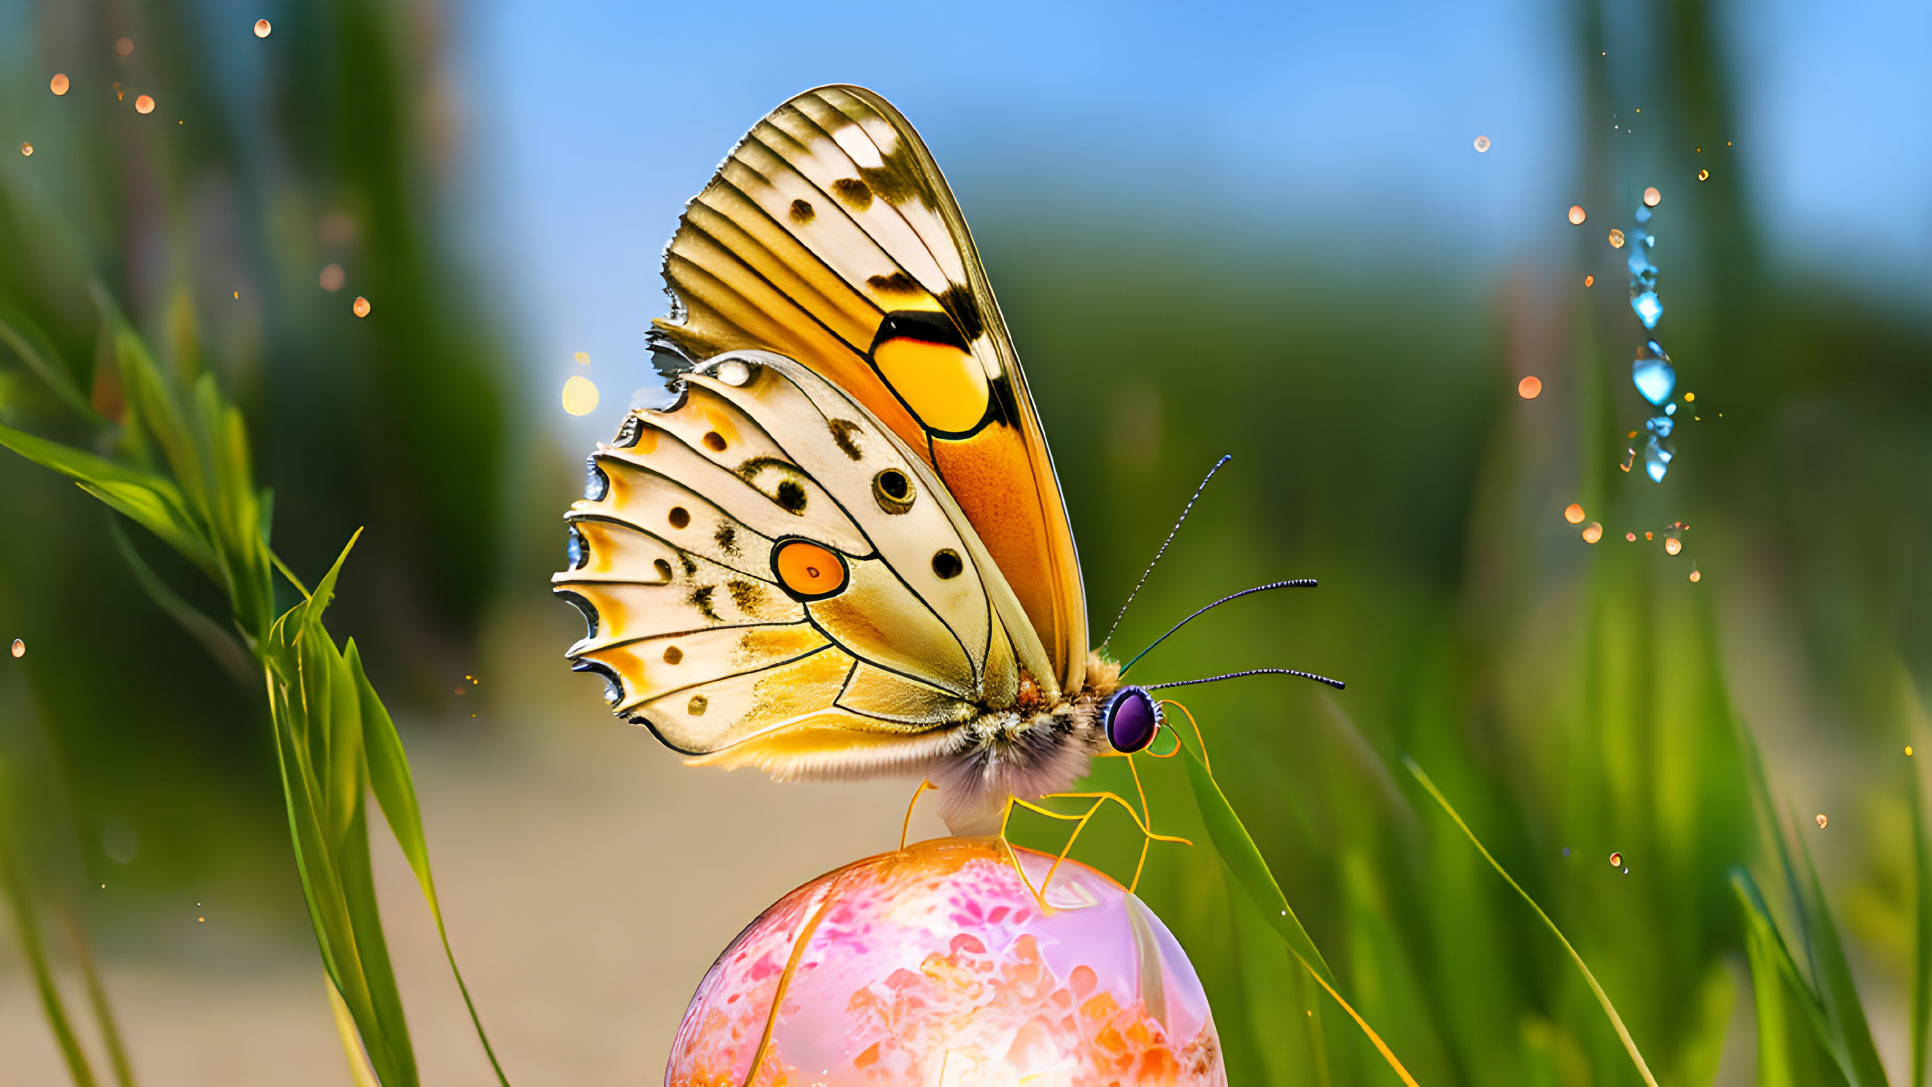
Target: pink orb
x=934 y=964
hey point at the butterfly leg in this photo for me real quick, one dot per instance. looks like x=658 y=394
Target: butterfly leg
x=1099 y=800
x=906 y=827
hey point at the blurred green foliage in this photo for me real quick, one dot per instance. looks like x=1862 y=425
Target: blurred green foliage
x=1569 y=702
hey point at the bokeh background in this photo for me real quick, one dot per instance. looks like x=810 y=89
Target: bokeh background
x=1262 y=231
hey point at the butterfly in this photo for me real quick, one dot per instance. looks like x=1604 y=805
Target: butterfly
x=842 y=550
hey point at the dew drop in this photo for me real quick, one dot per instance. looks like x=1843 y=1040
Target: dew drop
x=144 y=104
x=1589 y=281
x=1822 y=820
x=1703 y=175
x=1672 y=545
x=1652 y=196
x=1631 y=536
x=1482 y=144
x=1688 y=397
x=124 y=46
x=1616 y=239
x=1576 y=215
x=1651 y=372
x=262 y=28
x=734 y=373
x=27 y=150
x=333 y=277
x=1573 y=513
x=361 y=307
x=1616 y=860
x=1660 y=425
x=1592 y=532
x=580 y=395
x=58 y=84
x=1908 y=754
x=596 y=483
x=1697 y=577
x=1648 y=307
x=1657 y=456
x=19 y=648
x=1530 y=387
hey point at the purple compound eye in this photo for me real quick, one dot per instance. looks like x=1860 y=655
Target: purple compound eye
x=1131 y=719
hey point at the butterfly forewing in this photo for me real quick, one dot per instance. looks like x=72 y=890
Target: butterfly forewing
x=830 y=237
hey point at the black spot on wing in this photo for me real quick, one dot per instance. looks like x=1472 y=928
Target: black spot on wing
x=701 y=600
x=802 y=212
x=746 y=595
x=919 y=324
x=842 y=431
x=853 y=193
x=791 y=496
x=896 y=283
x=891 y=183
x=727 y=538
x=959 y=301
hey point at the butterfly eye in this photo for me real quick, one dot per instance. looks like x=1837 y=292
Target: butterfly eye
x=807 y=571
x=893 y=491
x=1131 y=719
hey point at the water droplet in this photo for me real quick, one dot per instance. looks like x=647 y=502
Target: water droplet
x=1822 y=820
x=1657 y=455
x=575 y=549
x=1648 y=308
x=613 y=694
x=27 y=150
x=1482 y=144
x=1660 y=425
x=262 y=28
x=1616 y=239
x=1697 y=577
x=1616 y=860
x=360 y=307
x=144 y=104
x=1908 y=754
x=1631 y=536
x=596 y=483
x=582 y=357
x=1530 y=387
x=58 y=84
x=1652 y=196
x=1670 y=409
x=734 y=373
x=1651 y=372
x=1592 y=532
x=1672 y=545
x=1703 y=175
x=333 y=277
x=1643 y=215
x=19 y=648
x=1589 y=281
x=1576 y=214
x=124 y=46
x=580 y=395
x=1688 y=397
x=1573 y=513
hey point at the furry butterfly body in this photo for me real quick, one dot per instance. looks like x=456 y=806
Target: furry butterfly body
x=842 y=551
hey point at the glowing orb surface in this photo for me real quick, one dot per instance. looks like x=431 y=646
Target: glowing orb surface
x=934 y=964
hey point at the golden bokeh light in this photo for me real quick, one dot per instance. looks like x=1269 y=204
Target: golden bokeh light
x=1652 y=197
x=1530 y=387
x=144 y=104
x=1482 y=144
x=58 y=84
x=333 y=277
x=1573 y=513
x=580 y=395
x=261 y=28
x=1592 y=532
x=1576 y=214
x=361 y=307
x=1616 y=239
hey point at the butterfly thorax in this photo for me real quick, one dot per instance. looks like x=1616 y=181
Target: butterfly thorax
x=1029 y=749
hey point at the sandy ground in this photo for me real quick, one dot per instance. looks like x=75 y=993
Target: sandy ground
x=564 y=868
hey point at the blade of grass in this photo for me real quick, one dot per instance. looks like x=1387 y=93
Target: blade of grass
x=1237 y=851
x=33 y=944
x=1616 y=1021
x=97 y=1001
x=395 y=791
x=345 y=1031
x=220 y=644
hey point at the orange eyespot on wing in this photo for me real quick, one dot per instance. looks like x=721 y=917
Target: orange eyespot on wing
x=830 y=237
x=807 y=571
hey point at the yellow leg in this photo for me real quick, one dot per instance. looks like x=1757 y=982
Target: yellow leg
x=906 y=827
x=1198 y=738
x=1080 y=821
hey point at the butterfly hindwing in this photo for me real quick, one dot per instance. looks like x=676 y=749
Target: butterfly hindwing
x=772 y=578
x=830 y=237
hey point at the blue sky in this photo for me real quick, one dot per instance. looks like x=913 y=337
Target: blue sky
x=1345 y=129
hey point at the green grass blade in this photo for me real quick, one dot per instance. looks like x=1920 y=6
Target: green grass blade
x=1843 y=1008
x=1603 y=999
x=1238 y=852
x=26 y=919
x=1922 y=942
x=395 y=791
x=98 y=1003
x=215 y=638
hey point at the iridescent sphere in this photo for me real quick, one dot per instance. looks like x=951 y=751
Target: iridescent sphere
x=935 y=964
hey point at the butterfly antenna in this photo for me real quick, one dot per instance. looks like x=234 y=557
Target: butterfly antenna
x=1185 y=510
x=1297 y=583
x=1335 y=683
